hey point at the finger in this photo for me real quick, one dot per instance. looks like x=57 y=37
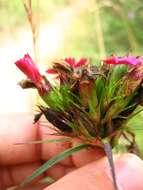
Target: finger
x=13 y=175
x=15 y=129
x=86 y=156
x=96 y=175
x=58 y=171
x=18 y=128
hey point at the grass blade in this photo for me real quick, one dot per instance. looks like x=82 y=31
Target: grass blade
x=66 y=139
x=52 y=162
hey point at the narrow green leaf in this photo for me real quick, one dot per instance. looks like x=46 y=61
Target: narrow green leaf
x=116 y=75
x=93 y=101
x=100 y=88
x=46 y=141
x=52 y=162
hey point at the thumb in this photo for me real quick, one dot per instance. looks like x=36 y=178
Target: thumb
x=96 y=175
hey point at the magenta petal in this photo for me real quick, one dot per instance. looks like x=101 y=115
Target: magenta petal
x=81 y=62
x=51 y=71
x=128 y=60
x=70 y=61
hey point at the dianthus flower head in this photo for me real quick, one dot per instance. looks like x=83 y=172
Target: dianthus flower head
x=29 y=68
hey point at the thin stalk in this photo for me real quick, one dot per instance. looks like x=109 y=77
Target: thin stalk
x=34 y=20
x=109 y=155
x=99 y=31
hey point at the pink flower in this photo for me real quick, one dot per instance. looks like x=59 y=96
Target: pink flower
x=127 y=60
x=28 y=67
x=72 y=62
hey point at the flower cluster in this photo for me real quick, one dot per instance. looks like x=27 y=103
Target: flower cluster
x=90 y=102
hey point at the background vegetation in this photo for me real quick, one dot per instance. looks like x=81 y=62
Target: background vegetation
x=118 y=22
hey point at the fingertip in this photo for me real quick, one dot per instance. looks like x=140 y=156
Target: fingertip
x=129 y=172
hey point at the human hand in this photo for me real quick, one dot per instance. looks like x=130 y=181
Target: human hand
x=89 y=169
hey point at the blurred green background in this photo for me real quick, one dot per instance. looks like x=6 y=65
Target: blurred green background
x=100 y=26
x=87 y=28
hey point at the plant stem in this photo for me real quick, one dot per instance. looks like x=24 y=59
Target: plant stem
x=100 y=35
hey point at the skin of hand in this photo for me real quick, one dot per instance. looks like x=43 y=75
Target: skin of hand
x=87 y=169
